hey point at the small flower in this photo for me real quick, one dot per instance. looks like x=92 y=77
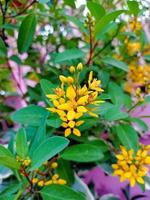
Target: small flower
x=71 y=101
x=130 y=166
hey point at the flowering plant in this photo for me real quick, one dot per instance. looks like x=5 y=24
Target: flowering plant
x=74 y=100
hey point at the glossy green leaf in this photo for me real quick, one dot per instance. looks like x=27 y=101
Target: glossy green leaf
x=26 y=33
x=30 y=115
x=115 y=113
x=7 y=159
x=3 y=49
x=127 y=136
x=133 y=7
x=115 y=63
x=106 y=19
x=54 y=121
x=47 y=86
x=96 y=10
x=47 y=149
x=60 y=192
x=82 y=153
x=21 y=143
x=65 y=171
x=69 y=54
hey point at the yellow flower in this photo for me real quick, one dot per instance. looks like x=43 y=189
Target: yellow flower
x=133 y=47
x=130 y=166
x=72 y=101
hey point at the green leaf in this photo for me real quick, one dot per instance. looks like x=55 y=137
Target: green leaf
x=21 y=143
x=78 y=23
x=60 y=192
x=3 y=49
x=117 y=95
x=127 y=136
x=30 y=115
x=54 y=121
x=114 y=113
x=47 y=149
x=47 y=86
x=26 y=33
x=115 y=63
x=106 y=19
x=96 y=10
x=69 y=54
x=70 y=3
x=133 y=7
x=65 y=171
x=140 y=122
x=7 y=159
x=99 y=143
x=147 y=57
x=82 y=153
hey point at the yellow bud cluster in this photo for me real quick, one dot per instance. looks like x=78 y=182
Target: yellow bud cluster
x=132 y=167
x=71 y=100
x=54 y=178
x=24 y=162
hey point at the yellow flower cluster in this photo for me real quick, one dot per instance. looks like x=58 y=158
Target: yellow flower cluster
x=71 y=101
x=135 y=25
x=131 y=166
x=24 y=162
x=44 y=181
x=138 y=76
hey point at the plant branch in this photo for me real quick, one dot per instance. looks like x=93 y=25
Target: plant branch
x=22 y=11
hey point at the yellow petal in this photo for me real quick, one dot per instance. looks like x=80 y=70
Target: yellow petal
x=81 y=109
x=79 y=123
x=71 y=115
x=127 y=174
x=90 y=77
x=63 y=79
x=61 y=113
x=64 y=106
x=140 y=180
x=120 y=157
x=71 y=124
x=70 y=80
x=70 y=93
x=67 y=132
x=65 y=125
x=61 y=101
x=76 y=132
x=115 y=166
x=83 y=100
x=147 y=160
x=78 y=115
x=132 y=182
x=92 y=114
x=56 y=103
x=52 y=96
x=52 y=109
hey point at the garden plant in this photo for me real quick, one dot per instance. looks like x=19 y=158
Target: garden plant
x=74 y=100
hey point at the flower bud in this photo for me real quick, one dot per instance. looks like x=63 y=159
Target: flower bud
x=72 y=69
x=79 y=67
